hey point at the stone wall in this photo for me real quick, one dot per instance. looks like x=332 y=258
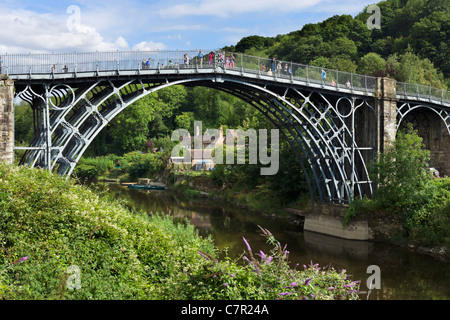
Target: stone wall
x=386 y=108
x=6 y=121
x=328 y=219
x=439 y=144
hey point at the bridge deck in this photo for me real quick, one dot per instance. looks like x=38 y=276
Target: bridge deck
x=29 y=68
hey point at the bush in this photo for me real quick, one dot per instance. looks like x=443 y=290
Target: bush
x=48 y=225
x=269 y=276
x=57 y=224
x=408 y=190
x=93 y=168
x=402 y=179
x=432 y=222
x=140 y=165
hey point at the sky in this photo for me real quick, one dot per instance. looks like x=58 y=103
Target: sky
x=110 y=25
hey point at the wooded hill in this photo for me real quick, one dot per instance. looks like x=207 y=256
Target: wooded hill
x=411 y=46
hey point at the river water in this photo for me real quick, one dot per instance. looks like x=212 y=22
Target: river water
x=404 y=275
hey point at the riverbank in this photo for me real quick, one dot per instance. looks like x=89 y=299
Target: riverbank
x=381 y=226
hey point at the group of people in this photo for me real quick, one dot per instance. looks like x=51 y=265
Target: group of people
x=224 y=60
x=147 y=63
x=277 y=67
x=65 y=69
x=332 y=82
x=227 y=61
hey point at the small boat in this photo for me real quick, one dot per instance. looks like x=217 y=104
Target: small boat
x=145 y=187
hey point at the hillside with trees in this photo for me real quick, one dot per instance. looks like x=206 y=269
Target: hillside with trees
x=411 y=46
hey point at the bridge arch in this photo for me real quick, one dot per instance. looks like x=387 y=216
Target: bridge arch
x=408 y=107
x=317 y=129
x=433 y=126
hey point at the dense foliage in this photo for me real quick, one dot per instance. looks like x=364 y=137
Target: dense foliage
x=130 y=167
x=411 y=46
x=49 y=227
x=408 y=190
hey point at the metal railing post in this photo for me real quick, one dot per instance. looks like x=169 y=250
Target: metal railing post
x=259 y=66
x=307 y=74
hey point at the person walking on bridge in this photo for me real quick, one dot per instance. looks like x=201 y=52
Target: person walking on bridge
x=200 y=57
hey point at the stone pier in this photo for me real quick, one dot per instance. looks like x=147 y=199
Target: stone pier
x=6 y=120
x=386 y=109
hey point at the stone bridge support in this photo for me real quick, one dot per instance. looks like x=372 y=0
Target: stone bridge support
x=386 y=109
x=6 y=121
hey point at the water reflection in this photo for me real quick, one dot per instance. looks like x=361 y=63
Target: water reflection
x=404 y=275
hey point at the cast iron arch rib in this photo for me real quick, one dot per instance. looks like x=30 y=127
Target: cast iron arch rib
x=308 y=120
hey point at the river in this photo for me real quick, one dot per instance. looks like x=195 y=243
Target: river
x=404 y=275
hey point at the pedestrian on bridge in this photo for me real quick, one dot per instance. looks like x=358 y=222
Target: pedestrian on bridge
x=211 y=57
x=348 y=85
x=324 y=76
x=200 y=56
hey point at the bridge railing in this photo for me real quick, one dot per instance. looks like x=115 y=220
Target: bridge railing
x=306 y=73
x=47 y=63
x=57 y=63
x=421 y=92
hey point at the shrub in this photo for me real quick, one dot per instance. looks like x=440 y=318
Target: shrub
x=403 y=183
x=57 y=224
x=140 y=165
x=48 y=224
x=269 y=276
x=407 y=189
x=93 y=168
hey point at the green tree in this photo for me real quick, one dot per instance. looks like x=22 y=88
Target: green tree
x=412 y=69
x=402 y=177
x=129 y=130
x=23 y=123
x=185 y=121
x=254 y=41
x=429 y=38
x=372 y=63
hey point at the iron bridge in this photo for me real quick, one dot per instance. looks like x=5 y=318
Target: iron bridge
x=332 y=123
